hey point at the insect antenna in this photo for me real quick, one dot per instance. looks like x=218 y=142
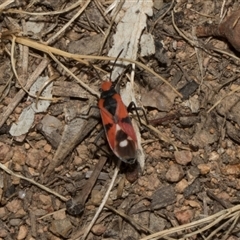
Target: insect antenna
x=118 y=81
x=132 y=106
x=91 y=65
x=115 y=61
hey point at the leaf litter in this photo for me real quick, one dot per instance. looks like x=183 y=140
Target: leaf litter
x=191 y=155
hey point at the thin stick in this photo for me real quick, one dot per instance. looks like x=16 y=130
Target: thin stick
x=222 y=10
x=161 y=17
x=120 y=4
x=5 y=4
x=18 y=97
x=221 y=99
x=13 y=62
x=192 y=43
x=226 y=235
x=79 y=58
x=103 y=201
x=222 y=226
x=54 y=37
x=74 y=76
x=137 y=225
x=216 y=218
x=3 y=167
x=75 y=5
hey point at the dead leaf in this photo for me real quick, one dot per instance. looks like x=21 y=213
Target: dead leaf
x=161 y=98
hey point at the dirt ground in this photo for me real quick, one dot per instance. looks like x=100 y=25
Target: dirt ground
x=53 y=177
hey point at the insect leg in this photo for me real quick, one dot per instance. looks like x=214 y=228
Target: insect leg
x=132 y=106
x=97 y=139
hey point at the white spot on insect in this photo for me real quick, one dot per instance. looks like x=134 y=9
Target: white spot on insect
x=123 y=143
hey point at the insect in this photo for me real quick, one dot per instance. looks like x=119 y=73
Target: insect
x=119 y=131
x=117 y=124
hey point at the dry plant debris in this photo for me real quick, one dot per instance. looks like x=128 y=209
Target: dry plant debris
x=53 y=178
x=229 y=29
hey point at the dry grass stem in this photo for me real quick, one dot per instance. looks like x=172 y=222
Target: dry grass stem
x=64 y=28
x=3 y=167
x=106 y=196
x=18 y=97
x=79 y=58
x=211 y=220
x=75 y=5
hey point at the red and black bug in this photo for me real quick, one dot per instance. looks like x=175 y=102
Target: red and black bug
x=117 y=124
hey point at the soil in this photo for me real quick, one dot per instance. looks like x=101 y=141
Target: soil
x=54 y=174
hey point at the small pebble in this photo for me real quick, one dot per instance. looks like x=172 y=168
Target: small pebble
x=192 y=173
x=27 y=146
x=193 y=204
x=32 y=172
x=98 y=229
x=18 y=110
x=77 y=161
x=156 y=223
x=61 y=227
x=224 y=196
x=19 y=156
x=45 y=200
x=40 y=144
x=212 y=130
x=33 y=157
x=17 y=167
x=193 y=188
x=150 y=170
x=231 y=170
x=15 y=180
x=23 y=231
x=14 y=205
x=180 y=186
x=15 y=222
x=59 y=215
x=175 y=173
x=3 y=212
x=213 y=156
x=163 y=197
x=96 y=197
x=184 y=216
x=149 y=182
x=3 y=233
x=47 y=148
x=183 y=157
x=204 y=168
x=20 y=213
x=4 y=150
